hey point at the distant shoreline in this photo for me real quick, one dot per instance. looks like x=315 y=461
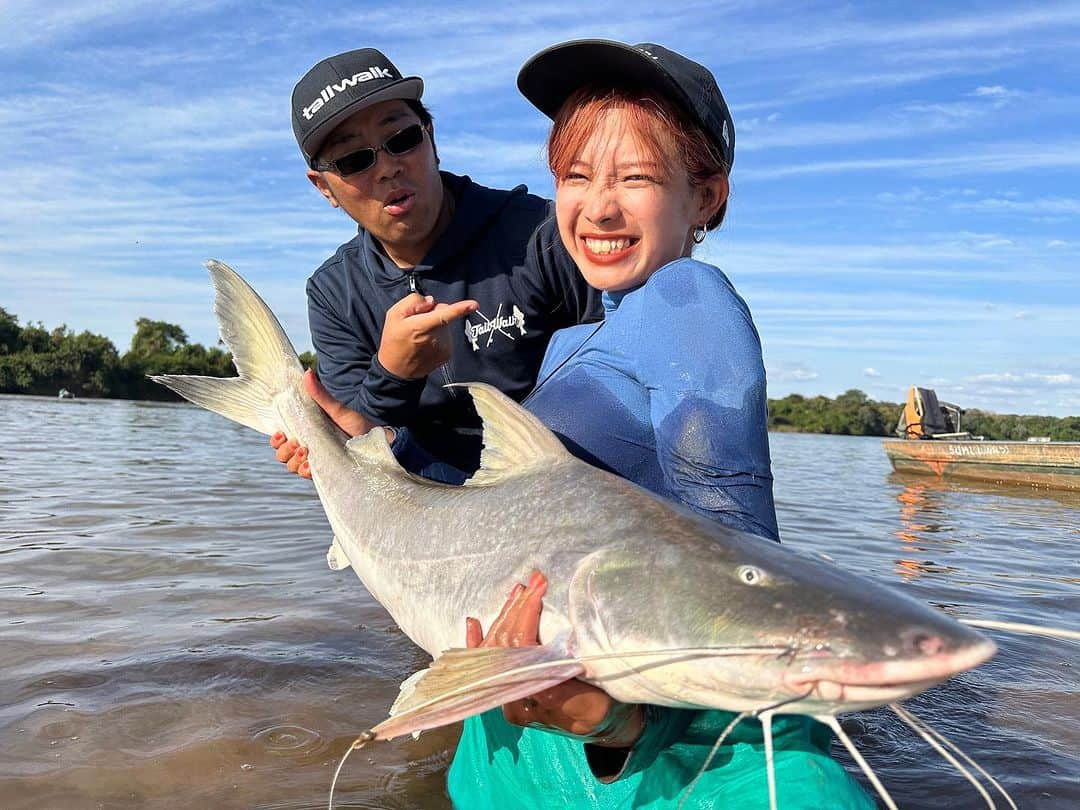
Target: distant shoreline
x=850 y=414
x=36 y=361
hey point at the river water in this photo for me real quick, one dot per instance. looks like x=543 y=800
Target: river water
x=170 y=635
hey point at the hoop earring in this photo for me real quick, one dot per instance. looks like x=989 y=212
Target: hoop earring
x=699 y=234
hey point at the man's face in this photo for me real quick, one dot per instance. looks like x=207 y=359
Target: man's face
x=398 y=200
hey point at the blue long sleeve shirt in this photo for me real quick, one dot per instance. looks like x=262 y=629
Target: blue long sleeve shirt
x=668 y=391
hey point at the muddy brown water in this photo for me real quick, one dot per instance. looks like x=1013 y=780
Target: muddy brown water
x=170 y=635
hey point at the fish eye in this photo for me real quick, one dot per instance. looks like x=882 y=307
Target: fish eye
x=750 y=575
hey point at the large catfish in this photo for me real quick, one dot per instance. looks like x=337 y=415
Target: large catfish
x=647 y=600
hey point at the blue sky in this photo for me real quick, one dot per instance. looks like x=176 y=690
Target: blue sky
x=905 y=194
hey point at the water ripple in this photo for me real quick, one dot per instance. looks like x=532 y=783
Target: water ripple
x=172 y=630
x=287 y=740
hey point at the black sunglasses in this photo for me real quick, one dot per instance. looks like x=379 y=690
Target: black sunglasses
x=400 y=143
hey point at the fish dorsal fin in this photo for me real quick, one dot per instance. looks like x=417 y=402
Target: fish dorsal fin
x=461 y=683
x=514 y=439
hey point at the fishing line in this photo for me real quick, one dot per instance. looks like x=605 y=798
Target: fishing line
x=1017 y=627
x=773 y=707
x=723 y=735
x=946 y=741
x=770 y=765
x=910 y=720
x=766 y=716
x=933 y=737
x=359 y=742
x=834 y=724
x=712 y=753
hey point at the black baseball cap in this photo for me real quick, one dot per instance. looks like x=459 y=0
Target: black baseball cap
x=341 y=85
x=552 y=75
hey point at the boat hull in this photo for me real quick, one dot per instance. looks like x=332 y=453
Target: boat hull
x=1054 y=465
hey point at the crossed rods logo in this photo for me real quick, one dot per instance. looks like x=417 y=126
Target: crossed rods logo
x=500 y=323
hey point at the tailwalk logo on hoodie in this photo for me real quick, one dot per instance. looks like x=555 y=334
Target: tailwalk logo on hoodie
x=492 y=326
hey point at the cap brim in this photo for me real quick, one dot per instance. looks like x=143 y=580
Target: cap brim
x=410 y=87
x=550 y=77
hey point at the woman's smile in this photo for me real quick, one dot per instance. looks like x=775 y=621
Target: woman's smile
x=609 y=249
x=623 y=211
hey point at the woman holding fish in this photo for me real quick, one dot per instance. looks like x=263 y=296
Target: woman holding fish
x=667 y=391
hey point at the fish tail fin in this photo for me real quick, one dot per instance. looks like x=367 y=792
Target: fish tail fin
x=264 y=358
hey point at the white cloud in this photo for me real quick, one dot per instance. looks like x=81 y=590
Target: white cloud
x=1032 y=392
x=848 y=35
x=871 y=372
x=796 y=372
x=985 y=159
x=29 y=24
x=1068 y=206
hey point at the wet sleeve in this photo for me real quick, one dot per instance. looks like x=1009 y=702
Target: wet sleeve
x=414 y=458
x=572 y=300
x=700 y=361
x=663 y=728
x=349 y=366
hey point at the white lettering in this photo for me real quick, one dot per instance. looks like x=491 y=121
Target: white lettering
x=977 y=450
x=499 y=324
x=330 y=90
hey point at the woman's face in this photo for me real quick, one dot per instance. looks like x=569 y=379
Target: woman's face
x=621 y=215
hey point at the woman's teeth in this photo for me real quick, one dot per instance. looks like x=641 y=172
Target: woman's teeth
x=603 y=246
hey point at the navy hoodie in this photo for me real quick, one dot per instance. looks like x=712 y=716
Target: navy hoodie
x=501 y=248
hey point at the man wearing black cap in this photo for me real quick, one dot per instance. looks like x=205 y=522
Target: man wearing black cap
x=446 y=281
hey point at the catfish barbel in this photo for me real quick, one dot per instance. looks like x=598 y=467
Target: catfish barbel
x=647 y=600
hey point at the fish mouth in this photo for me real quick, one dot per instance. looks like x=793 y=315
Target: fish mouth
x=852 y=684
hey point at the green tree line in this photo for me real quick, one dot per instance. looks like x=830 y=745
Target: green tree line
x=35 y=360
x=855 y=414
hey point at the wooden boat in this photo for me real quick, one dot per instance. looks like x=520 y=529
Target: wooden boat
x=1040 y=464
x=932 y=443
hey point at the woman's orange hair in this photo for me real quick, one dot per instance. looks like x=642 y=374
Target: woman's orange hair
x=663 y=132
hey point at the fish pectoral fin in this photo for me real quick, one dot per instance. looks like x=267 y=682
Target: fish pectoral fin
x=406 y=690
x=461 y=683
x=336 y=557
x=514 y=439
